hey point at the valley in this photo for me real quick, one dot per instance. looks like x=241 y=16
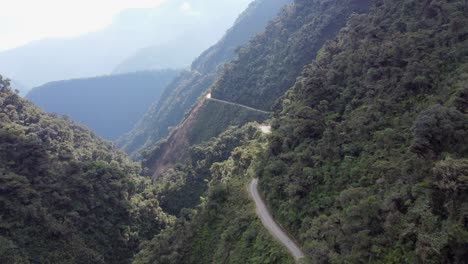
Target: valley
x=312 y=131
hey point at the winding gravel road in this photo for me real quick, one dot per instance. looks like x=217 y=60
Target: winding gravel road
x=271 y=225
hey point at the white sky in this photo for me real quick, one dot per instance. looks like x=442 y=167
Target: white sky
x=23 y=21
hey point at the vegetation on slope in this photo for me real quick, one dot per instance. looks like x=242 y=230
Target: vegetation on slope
x=183 y=93
x=269 y=65
x=67 y=196
x=215 y=115
x=224 y=227
x=257 y=63
x=182 y=185
x=110 y=105
x=367 y=163
x=368 y=158
x=207 y=120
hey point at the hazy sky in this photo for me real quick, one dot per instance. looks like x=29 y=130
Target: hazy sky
x=23 y=21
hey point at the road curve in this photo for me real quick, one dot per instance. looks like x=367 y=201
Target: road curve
x=271 y=225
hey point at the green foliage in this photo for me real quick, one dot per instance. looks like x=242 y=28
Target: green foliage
x=216 y=117
x=182 y=186
x=266 y=67
x=367 y=160
x=224 y=227
x=67 y=196
x=256 y=75
x=440 y=129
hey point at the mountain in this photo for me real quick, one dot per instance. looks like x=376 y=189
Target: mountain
x=67 y=196
x=98 y=53
x=183 y=93
x=223 y=228
x=352 y=115
x=368 y=157
x=109 y=105
x=157 y=56
x=367 y=161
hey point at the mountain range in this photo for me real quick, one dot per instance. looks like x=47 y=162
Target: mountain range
x=183 y=93
x=99 y=53
x=109 y=105
x=344 y=122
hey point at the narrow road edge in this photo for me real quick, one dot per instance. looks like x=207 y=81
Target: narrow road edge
x=269 y=223
x=239 y=105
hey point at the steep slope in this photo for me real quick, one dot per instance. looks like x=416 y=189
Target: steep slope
x=265 y=68
x=367 y=162
x=110 y=105
x=368 y=158
x=182 y=186
x=67 y=196
x=228 y=175
x=207 y=119
x=224 y=227
x=189 y=86
x=98 y=53
x=256 y=72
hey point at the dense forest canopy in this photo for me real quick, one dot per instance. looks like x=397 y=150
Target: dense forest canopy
x=366 y=160
x=67 y=196
x=368 y=156
x=223 y=228
x=264 y=70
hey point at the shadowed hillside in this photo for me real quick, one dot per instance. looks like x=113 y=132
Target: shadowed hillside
x=110 y=105
x=67 y=196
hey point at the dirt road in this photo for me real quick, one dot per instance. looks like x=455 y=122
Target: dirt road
x=271 y=225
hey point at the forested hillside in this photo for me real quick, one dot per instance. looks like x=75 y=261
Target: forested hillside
x=368 y=158
x=67 y=196
x=269 y=65
x=206 y=120
x=183 y=93
x=110 y=105
x=209 y=119
x=223 y=228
